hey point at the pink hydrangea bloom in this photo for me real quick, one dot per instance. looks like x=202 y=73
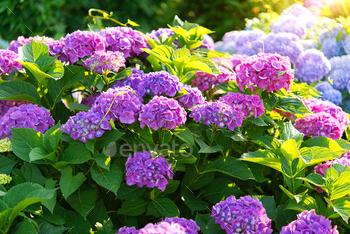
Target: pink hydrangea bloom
x=103 y=62
x=9 y=62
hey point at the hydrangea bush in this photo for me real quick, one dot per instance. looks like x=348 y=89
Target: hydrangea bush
x=117 y=131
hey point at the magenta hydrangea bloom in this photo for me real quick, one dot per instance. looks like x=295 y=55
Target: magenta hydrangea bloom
x=291 y=25
x=161 y=82
x=311 y=223
x=6 y=105
x=25 y=116
x=266 y=71
x=190 y=225
x=134 y=81
x=219 y=113
x=243 y=215
x=163 y=228
x=193 y=97
x=124 y=39
x=251 y=105
x=90 y=100
x=103 y=62
x=127 y=230
x=142 y=169
x=162 y=112
x=9 y=62
x=118 y=103
x=82 y=43
x=204 y=81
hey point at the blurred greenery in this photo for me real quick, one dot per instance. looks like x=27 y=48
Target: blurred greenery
x=56 y=18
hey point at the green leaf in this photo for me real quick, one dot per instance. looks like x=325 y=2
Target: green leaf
x=284 y=216
x=56 y=70
x=19 y=90
x=193 y=202
x=290 y=151
x=230 y=86
x=235 y=135
x=305 y=203
x=290 y=132
x=270 y=100
x=45 y=227
x=219 y=189
x=51 y=137
x=68 y=183
x=207 y=149
x=324 y=142
x=342 y=207
x=82 y=201
x=50 y=203
x=171 y=187
x=102 y=160
x=231 y=166
x=98 y=214
x=78 y=107
x=268 y=142
x=36 y=52
x=24 y=140
x=133 y=208
x=25 y=227
x=41 y=156
x=263 y=157
x=315 y=155
x=138 y=135
x=110 y=180
x=152 y=210
x=269 y=205
x=196 y=66
x=76 y=223
x=77 y=153
x=34 y=70
x=166 y=207
x=315 y=179
x=291 y=105
x=32 y=173
x=257 y=121
x=130 y=192
x=6 y=165
x=107 y=138
x=184 y=134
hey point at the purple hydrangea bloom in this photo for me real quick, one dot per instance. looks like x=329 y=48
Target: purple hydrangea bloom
x=291 y=25
x=311 y=223
x=162 y=112
x=6 y=105
x=330 y=47
x=251 y=105
x=21 y=41
x=332 y=30
x=8 y=62
x=163 y=228
x=329 y=93
x=245 y=39
x=296 y=10
x=25 y=116
x=219 y=113
x=190 y=225
x=340 y=71
x=124 y=39
x=127 y=230
x=90 y=100
x=82 y=43
x=103 y=62
x=163 y=32
x=118 y=103
x=134 y=81
x=346 y=44
x=193 y=97
x=266 y=71
x=230 y=36
x=142 y=169
x=161 y=82
x=243 y=215
x=204 y=81
x=208 y=42
x=311 y=66
x=230 y=47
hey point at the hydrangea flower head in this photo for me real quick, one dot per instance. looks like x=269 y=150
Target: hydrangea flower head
x=245 y=39
x=243 y=215
x=332 y=30
x=311 y=66
x=321 y=169
x=331 y=48
x=5 y=179
x=82 y=43
x=251 y=105
x=161 y=82
x=124 y=39
x=163 y=228
x=127 y=230
x=219 y=113
x=135 y=81
x=190 y=225
x=160 y=32
x=6 y=105
x=25 y=116
x=103 y=62
x=346 y=44
x=142 y=169
x=162 y=112
x=266 y=71
x=339 y=72
x=21 y=41
x=329 y=93
x=230 y=36
x=309 y=222
x=90 y=100
x=9 y=62
x=291 y=25
x=5 y=145
x=193 y=97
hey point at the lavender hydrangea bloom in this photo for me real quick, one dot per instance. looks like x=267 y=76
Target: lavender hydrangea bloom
x=243 y=215
x=219 y=113
x=25 y=116
x=291 y=25
x=135 y=81
x=329 y=93
x=309 y=222
x=142 y=169
x=251 y=105
x=190 y=225
x=193 y=97
x=264 y=71
x=90 y=100
x=160 y=32
x=208 y=42
x=311 y=66
x=82 y=43
x=219 y=45
x=127 y=230
x=103 y=62
x=245 y=39
x=124 y=39
x=6 y=105
x=230 y=36
x=230 y=47
x=339 y=72
x=346 y=44
x=8 y=62
x=162 y=112
x=332 y=30
x=161 y=82
x=163 y=228
x=15 y=44
x=330 y=47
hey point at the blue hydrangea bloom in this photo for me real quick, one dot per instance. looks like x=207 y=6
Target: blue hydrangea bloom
x=346 y=44
x=330 y=47
x=329 y=93
x=245 y=39
x=340 y=71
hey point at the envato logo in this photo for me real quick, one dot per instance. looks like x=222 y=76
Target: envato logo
x=164 y=149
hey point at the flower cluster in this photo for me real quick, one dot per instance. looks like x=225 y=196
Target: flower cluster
x=340 y=71
x=21 y=41
x=193 y=97
x=309 y=222
x=291 y=25
x=142 y=169
x=204 y=81
x=346 y=44
x=251 y=105
x=311 y=66
x=298 y=11
x=161 y=82
x=219 y=113
x=25 y=116
x=190 y=225
x=266 y=71
x=160 y=32
x=90 y=100
x=8 y=62
x=82 y=43
x=243 y=215
x=163 y=228
x=124 y=39
x=329 y=93
x=5 y=179
x=162 y=112
x=134 y=81
x=321 y=169
x=6 y=105
x=245 y=41
x=331 y=47
x=5 y=145
x=103 y=62
x=127 y=230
